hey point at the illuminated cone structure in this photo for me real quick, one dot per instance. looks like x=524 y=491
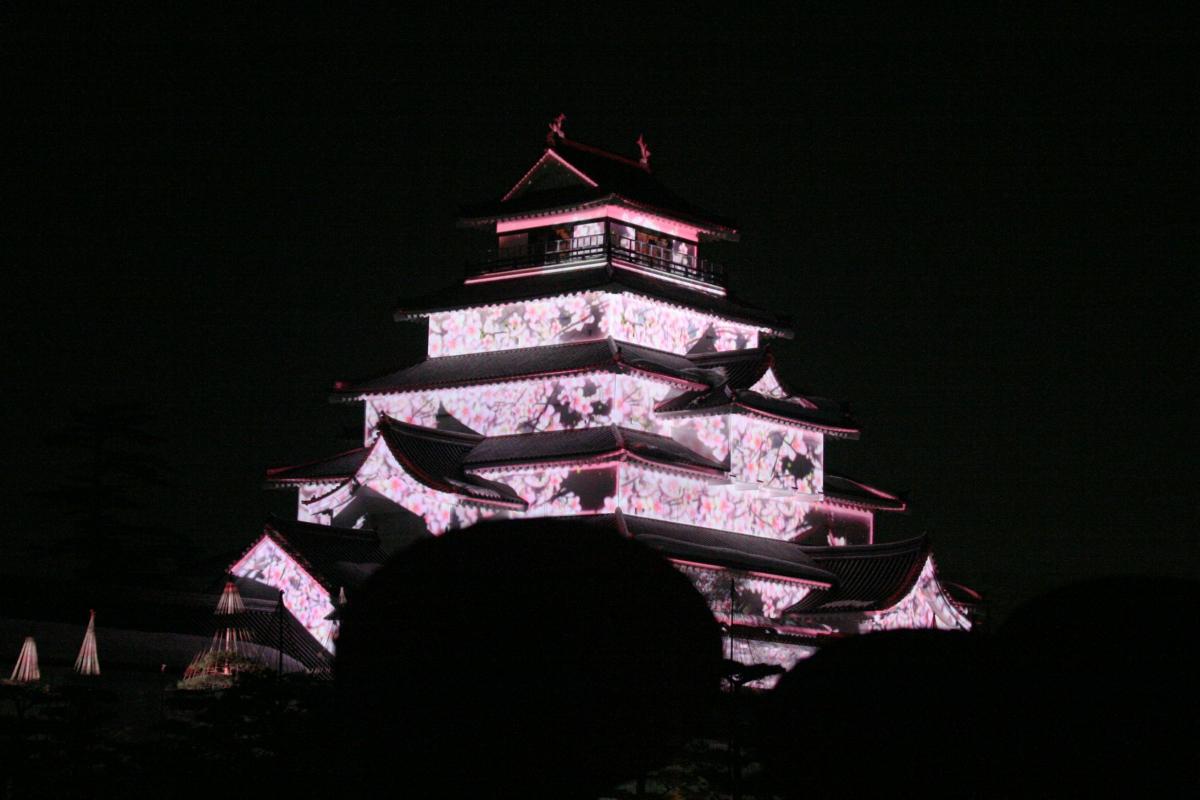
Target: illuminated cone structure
x=595 y=366
x=231 y=642
x=88 y=660
x=26 y=669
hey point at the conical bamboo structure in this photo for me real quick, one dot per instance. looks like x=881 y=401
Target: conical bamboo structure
x=26 y=670
x=231 y=641
x=88 y=660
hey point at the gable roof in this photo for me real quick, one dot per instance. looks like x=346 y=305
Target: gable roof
x=573 y=175
x=334 y=469
x=603 y=278
x=261 y=619
x=741 y=369
x=334 y=557
x=435 y=458
x=725 y=399
x=870 y=577
x=587 y=445
x=603 y=355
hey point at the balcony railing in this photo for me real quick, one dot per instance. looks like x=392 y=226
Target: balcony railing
x=599 y=247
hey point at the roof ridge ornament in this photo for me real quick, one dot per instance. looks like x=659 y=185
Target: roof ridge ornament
x=645 y=153
x=556 y=129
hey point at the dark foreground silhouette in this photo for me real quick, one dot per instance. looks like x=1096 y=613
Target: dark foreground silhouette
x=543 y=658
x=553 y=659
x=1088 y=691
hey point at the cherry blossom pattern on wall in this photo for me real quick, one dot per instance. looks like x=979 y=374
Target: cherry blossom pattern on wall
x=552 y=404
x=303 y=597
x=581 y=317
x=569 y=318
x=753 y=598
x=768 y=386
x=779 y=456
x=691 y=501
x=708 y=436
x=561 y=491
x=381 y=474
x=925 y=606
x=676 y=330
x=319 y=503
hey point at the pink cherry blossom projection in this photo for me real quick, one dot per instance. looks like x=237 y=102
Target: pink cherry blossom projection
x=753 y=651
x=383 y=475
x=925 y=606
x=306 y=599
x=319 y=503
x=584 y=316
x=768 y=386
x=752 y=598
x=533 y=406
x=562 y=491
x=708 y=436
x=569 y=318
x=694 y=501
x=677 y=330
x=440 y=511
x=634 y=400
x=779 y=456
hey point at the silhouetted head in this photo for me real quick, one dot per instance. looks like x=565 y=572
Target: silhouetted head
x=542 y=653
x=1099 y=689
x=897 y=714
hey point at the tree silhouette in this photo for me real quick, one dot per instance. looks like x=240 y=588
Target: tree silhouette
x=111 y=466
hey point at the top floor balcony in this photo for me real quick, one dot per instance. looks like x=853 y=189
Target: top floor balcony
x=599 y=241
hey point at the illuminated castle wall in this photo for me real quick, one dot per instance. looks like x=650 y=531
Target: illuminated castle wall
x=595 y=365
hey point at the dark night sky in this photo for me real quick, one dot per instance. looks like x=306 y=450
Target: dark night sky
x=976 y=221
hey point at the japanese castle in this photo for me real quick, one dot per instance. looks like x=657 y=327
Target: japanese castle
x=594 y=365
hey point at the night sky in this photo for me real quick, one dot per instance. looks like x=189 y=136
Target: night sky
x=976 y=222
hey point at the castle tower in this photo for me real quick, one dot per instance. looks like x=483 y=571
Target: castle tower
x=595 y=365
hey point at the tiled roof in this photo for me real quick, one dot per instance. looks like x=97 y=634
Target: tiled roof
x=435 y=458
x=335 y=557
x=586 y=444
x=724 y=549
x=728 y=400
x=839 y=488
x=340 y=467
x=741 y=369
x=603 y=278
x=603 y=355
x=870 y=577
x=262 y=620
x=616 y=179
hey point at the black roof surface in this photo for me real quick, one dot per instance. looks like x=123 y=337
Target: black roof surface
x=722 y=548
x=839 y=487
x=616 y=178
x=870 y=577
x=604 y=278
x=335 y=557
x=583 y=444
x=261 y=619
x=726 y=399
x=603 y=355
x=741 y=369
x=334 y=468
x=435 y=458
